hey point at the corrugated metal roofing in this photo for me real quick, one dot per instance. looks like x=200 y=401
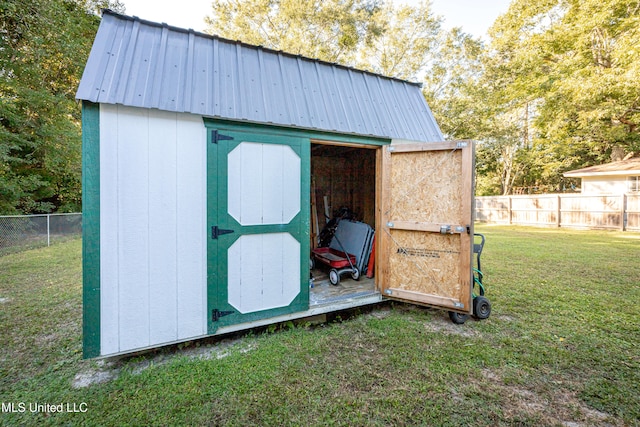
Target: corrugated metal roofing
x=144 y=64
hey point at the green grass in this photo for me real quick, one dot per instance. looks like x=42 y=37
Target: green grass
x=559 y=348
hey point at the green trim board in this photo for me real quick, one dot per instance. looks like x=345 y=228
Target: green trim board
x=218 y=274
x=301 y=133
x=90 y=229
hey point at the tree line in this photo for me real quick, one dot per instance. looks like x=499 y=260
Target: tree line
x=44 y=45
x=556 y=86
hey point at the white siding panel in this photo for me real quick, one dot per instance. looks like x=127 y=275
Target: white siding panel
x=291 y=268
x=272 y=278
x=263 y=271
x=291 y=183
x=250 y=268
x=162 y=227
x=234 y=276
x=251 y=184
x=152 y=230
x=133 y=230
x=273 y=186
x=109 y=340
x=191 y=227
x=244 y=284
x=263 y=183
x=234 y=183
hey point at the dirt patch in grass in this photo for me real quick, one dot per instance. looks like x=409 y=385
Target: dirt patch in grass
x=100 y=373
x=443 y=324
x=110 y=369
x=547 y=405
x=504 y=317
x=380 y=313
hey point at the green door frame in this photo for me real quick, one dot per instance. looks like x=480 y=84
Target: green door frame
x=220 y=312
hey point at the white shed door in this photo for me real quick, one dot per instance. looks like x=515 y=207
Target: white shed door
x=257 y=240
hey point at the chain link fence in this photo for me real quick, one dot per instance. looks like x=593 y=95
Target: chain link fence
x=22 y=232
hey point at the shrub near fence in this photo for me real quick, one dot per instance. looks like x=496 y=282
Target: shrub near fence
x=21 y=232
x=617 y=212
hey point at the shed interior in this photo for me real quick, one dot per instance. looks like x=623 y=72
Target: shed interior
x=343 y=183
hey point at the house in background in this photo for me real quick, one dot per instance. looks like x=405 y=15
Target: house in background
x=621 y=177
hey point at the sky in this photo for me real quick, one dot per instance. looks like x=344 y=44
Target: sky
x=474 y=16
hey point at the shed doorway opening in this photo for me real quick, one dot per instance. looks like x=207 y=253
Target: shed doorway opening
x=343 y=212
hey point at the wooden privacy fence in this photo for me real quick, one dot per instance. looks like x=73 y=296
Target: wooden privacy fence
x=615 y=212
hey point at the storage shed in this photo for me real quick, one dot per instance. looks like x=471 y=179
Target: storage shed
x=207 y=163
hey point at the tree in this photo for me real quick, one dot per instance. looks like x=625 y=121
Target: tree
x=330 y=30
x=396 y=41
x=402 y=42
x=569 y=70
x=44 y=45
x=96 y=6
x=452 y=85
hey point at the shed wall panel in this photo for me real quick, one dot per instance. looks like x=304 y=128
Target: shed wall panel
x=109 y=295
x=153 y=253
x=133 y=231
x=162 y=224
x=191 y=227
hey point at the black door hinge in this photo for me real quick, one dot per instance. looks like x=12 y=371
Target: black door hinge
x=216 y=136
x=217 y=314
x=215 y=232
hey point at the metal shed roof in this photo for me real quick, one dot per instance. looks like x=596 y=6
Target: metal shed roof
x=144 y=64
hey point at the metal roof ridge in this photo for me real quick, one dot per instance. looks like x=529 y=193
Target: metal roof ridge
x=263 y=48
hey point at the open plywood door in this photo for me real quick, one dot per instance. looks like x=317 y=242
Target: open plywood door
x=426 y=218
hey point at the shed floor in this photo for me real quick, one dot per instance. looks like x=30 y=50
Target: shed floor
x=323 y=292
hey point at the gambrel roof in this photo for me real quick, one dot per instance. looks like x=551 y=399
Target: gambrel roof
x=144 y=64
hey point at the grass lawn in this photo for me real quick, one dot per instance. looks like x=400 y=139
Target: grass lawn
x=560 y=348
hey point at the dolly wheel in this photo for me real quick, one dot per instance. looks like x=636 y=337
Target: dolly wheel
x=334 y=277
x=458 y=318
x=481 y=307
x=355 y=274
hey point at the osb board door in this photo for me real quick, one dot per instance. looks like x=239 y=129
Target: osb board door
x=258 y=243
x=426 y=224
